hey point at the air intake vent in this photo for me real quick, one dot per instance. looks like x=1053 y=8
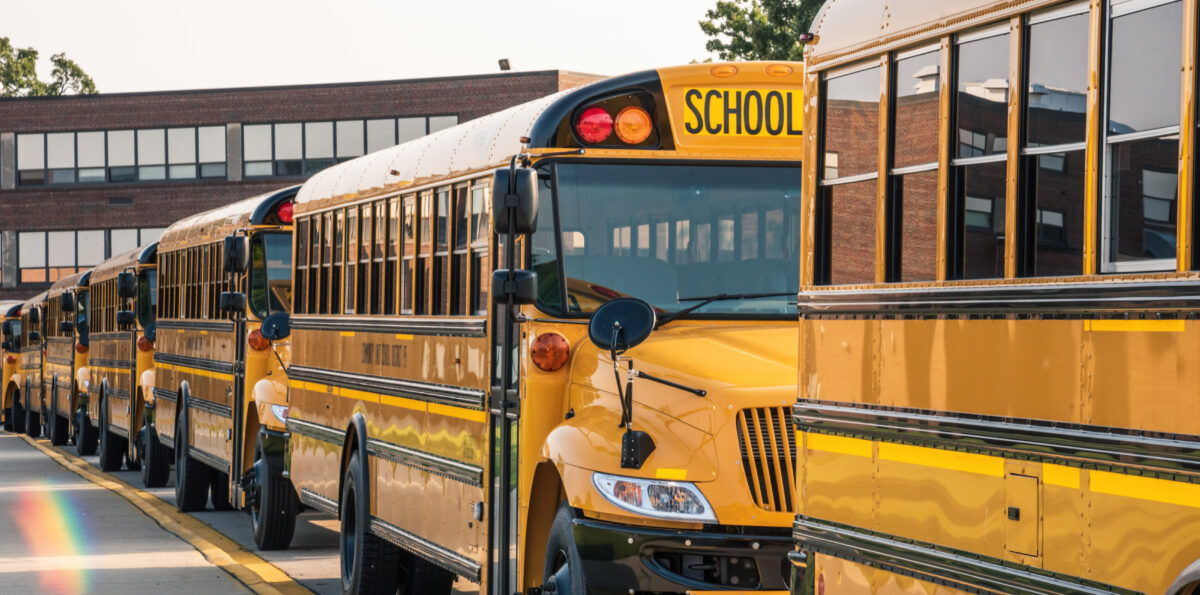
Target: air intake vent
x=768 y=443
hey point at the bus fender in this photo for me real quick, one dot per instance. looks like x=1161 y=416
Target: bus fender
x=147 y=384
x=14 y=384
x=268 y=392
x=356 y=433
x=681 y=451
x=1189 y=577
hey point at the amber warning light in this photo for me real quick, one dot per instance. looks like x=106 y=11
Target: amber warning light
x=550 y=351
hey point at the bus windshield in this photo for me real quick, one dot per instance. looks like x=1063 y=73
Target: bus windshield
x=271 y=273
x=672 y=235
x=147 y=297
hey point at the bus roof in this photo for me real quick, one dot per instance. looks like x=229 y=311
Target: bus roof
x=34 y=301
x=69 y=282
x=490 y=141
x=127 y=259
x=10 y=308
x=848 y=29
x=214 y=225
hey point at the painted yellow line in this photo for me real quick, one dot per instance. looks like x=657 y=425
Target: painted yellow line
x=1060 y=475
x=257 y=574
x=670 y=474
x=404 y=337
x=942 y=459
x=458 y=412
x=1133 y=326
x=1146 y=488
x=346 y=333
x=195 y=371
x=394 y=401
x=856 y=447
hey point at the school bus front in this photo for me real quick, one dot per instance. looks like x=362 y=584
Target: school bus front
x=678 y=187
x=10 y=314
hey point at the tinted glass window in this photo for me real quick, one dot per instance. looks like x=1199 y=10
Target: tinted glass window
x=916 y=126
x=982 y=96
x=1143 y=193
x=1057 y=106
x=1058 y=219
x=852 y=124
x=1144 y=83
x=983 y=208
x=851 y=241
x=918 y=226
x=271 y=273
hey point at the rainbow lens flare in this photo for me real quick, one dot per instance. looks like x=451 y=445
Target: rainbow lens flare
x=52 y=526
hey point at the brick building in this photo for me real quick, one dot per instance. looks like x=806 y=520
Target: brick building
x=86 y=177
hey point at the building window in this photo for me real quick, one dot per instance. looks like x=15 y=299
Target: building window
x=303 y=149
x=44 y=257
x=118 y=156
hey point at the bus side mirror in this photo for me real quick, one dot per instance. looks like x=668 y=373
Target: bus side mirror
x=125 y=320
x=35 y=337
x=523 y=287
x=621 y=324
x=237 y=254
x=520 y=205
x=276 y=326
x=67 y=301
x=233 y=301
x=65 y=327
x=35 y=316
x=9 y=331
x=7 y=346
x=127 y=285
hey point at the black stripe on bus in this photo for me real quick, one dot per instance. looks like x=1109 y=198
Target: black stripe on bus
x=207 y=406
x=210 y=365
x=216 y=326
x=208 y=458
x=111 y=363
x=939 y=564
x=1113 y=449
x=410 y=389
x=113 y=336
x=167 y=395
x=431 y=325
x=118 y=393
x=436 y=553
x=312 y=499
x=440 y=466
x=62 y=361
x=417 y=459
x=1102 y=299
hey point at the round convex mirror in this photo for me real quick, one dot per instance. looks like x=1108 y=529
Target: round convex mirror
x=276 y=326
x=633 y=317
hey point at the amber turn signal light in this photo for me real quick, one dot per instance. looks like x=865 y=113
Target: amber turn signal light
x=549 y=351
x=633 y=125
x=257 y=341
x=144 y=344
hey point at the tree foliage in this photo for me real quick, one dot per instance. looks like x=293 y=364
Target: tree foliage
x=18 y=74
x=758 y=29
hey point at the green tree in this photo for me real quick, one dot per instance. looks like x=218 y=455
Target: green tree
x=758 y=29
x=18 y=74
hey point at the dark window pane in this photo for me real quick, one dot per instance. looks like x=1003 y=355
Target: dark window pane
x=312 y=166
x=288 y=168
x=62 y=176
x=1143 y=196
x=1058 y=81
x=1058 y=225
x=443 y=213
x=851 y=232
x=852 y=124
x=1144 y=86
x=918 y=226
x=122 y=174
x=461 y=217
x=982 y=96
x=983 y=220
x=31 y=177
x=916 y=126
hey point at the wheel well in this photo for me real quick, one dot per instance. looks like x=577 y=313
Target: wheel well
x=544 y=497
x=249 y=436
x=351 y=444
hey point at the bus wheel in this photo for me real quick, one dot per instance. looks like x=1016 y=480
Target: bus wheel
x=58 y=424
x=86 y=437
x=33 y=421
x=111 y=448
x=370 y=565
x=422 y=577
x=272 y=504
x=563 y=571
x=218 y=487
x=156 y=469
x=191 y=476
x=17 y=413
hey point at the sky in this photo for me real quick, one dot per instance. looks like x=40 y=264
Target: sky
x=152 y=45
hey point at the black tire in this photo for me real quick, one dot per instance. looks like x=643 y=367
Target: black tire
x=33 y=419
x=156 y=469
x=421 y=577
x=87 y=438
x=370 y=565
x=191 y=476
x=274 y=509
x=218 y=489
x=8 y=418
x=17 y=413
x=563 y=570
x=58 y=424
x=112 y=446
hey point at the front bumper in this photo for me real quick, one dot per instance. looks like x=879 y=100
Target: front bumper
x=621 y=559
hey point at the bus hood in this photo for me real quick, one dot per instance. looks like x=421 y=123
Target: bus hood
x=740 y=366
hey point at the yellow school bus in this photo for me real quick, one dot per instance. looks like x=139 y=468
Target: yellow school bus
x=220 y=274
x=674 y=192
x=123 y=295
x=998 y=387
x=28 y=377
x=65 y=320
x=10 y=314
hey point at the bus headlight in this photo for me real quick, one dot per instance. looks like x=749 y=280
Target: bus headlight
x=280 y=412
x=674 y=500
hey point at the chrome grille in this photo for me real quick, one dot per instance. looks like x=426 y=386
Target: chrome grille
x=768 y=442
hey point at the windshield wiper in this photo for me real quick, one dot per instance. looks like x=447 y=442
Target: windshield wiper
x=708 y=299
